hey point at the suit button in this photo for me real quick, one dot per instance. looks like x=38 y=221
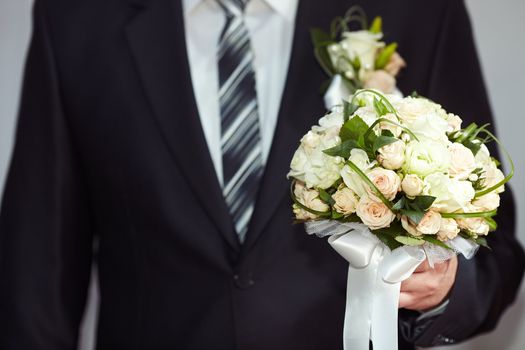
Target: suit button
x=243 y=280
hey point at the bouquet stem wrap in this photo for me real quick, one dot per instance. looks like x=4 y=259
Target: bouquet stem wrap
x=375 y=274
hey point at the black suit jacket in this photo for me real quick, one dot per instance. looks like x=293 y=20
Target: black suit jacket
x=109 y=146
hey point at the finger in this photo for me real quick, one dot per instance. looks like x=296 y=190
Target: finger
x=423 y=282
x=424 y=266
x=408 y=300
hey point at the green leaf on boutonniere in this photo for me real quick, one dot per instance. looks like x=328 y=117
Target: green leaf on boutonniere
x=343 y=149
x=377 y=25
x=412 y=241
x=433 y=240
x=381 y=141
x=353 y=128
x=349 y=109
x=384 y=56
x=321 y=40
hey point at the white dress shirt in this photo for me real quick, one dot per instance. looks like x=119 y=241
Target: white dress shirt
x=271 y=26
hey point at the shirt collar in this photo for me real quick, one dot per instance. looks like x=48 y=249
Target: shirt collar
x=285 y=8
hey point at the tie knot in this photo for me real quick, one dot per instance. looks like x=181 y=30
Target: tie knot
x=233 y=8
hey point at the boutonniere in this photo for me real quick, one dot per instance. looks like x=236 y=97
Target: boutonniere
x=354 y=56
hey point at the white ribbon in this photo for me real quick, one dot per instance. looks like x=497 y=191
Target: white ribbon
x=336 y=92
x=374 y=280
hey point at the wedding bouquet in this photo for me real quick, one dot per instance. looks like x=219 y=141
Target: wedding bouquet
x=355 y=59
x=393 y=181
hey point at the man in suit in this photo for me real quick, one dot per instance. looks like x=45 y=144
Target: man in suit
x=163 y=130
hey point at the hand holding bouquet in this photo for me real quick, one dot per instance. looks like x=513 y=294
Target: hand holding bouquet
x=393 y=181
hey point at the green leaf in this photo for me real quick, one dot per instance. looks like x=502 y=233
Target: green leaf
x=433 y=240
x=325 y=197
x=380 y=107
x=384 y=56
x=493 y=225
x=377 y=25
x=353 y=128
x=474 y=147
x=349 y=109
x=414 y=215
x=342 y=150
x=336 y=215
x=407 y=240
x=482 y=241
x=388 y=240
x=400 y=204
x=381 y=141
x=422 y=202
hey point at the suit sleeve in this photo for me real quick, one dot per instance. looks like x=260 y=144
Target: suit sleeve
x=486 y=285
x=45 y=230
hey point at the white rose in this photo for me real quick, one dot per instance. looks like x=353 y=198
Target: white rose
x=345 y=201
x=392 y=156
x=362 y=44
x=448 y=230
x=454 y=123
x=462 y=161
x=412 y=108
x=430 y=126
x=487 y=202
x=412 y=185
x=310 y=199
x=426 y=157
x=333 y=120
x=311 y=165
x=483 y=157
x=430 y=223
x=374 y=214
x=386 y=181
x=351 y=179
x=367 y=113
x=451 y=194
x=380 y=80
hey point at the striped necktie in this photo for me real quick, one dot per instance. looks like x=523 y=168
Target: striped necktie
x=240 y=135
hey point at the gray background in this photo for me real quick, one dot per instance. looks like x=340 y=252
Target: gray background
x=499 y=29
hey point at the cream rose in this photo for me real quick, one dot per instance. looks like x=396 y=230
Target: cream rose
x=345 y=201
x=412 y=185
x=392 y=156
x=493 y=176
x=386 y=181
x=487 y=202
x=430 y=126
x=448 y=229
x=380 y=80
x=462 y=161
x=412 y=108
x=374 y=214
x=475 y=226
x=394 y=129
x=310 y=199
x=430 y=223
x=409 y=226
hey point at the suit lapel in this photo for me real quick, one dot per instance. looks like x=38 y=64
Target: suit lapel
x=157 y=41
x=300 y=108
